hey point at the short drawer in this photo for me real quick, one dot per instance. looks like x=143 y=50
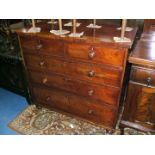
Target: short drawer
x=94 y=73
x=50 y=46
x=33 y=44
x=28 y=42
x=109 y=95
x=75 y=105
x=143 y=75
x=44 y=63
x=99 y=54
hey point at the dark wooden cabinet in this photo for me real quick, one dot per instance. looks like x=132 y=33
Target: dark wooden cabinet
x=139 y=110
x=12 y=70
x=79 y=76
x=12 y=76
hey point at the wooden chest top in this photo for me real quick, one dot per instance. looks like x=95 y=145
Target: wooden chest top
x=144 y=54
x=103 y=36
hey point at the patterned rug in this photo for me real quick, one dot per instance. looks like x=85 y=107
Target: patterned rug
x=34 y=121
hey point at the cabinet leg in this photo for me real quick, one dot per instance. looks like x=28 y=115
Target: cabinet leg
x=121 y=130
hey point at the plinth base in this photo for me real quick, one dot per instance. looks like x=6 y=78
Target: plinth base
x=58 y=32
x=78 y=35
x=118 y=39
x=94 y=26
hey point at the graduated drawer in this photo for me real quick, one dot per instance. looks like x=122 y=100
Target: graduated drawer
x=100 y=54
x=87 y=109
x=143 y=75
x=44 y=63
x=94 y=73
x=106 y=94
x=33 y=44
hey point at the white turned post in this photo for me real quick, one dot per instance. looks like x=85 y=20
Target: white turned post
x=33 y=23
x=60 y=25
x=74 y=26
x=94 y=22
x=124 y=23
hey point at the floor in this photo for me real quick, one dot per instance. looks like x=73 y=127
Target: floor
x=11 y=105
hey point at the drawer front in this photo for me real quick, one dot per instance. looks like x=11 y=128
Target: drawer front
x=94 y=73
x=143 y=75
x=106 y=94
x=51 y=97
x=100 y=54
x=41 y=63
x=50 y=80
x=32 y=44
x=92 y=111
x=140 y=106
x=28 y=42
x=70 y=103
x=52 y=47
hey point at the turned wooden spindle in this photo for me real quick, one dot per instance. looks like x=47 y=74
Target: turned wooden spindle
x=94 y=22
x=74 y=26
x=124 y=23
x=33 y=23
x=60 y=25
x=52 y=21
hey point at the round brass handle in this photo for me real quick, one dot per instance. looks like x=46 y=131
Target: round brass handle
x=42 y=63
x=91 y=54
x=48 y=98
x=90 y=92
x=44 y=80
x=91 y=73
x=39 y=46
x=148 y=80
x=91 y=112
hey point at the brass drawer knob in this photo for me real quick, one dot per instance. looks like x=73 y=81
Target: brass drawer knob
x=42 y=63
x=39 y=46
x=44 y=80
x=48 y=98
x=90 y=92
x=91 y=54
x=91 y=73
x=91 y=112
x=149 y=80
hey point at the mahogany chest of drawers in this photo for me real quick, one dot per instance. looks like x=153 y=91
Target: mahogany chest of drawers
x=79 y=76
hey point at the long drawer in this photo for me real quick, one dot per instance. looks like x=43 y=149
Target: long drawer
x=100 y=54
x=82 y=71
x=75 y=105
x=106 y=94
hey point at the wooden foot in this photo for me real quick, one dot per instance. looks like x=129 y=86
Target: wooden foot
x=38 y=106
x=109 y=132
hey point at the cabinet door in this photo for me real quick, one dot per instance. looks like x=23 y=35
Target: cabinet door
x=140 y=106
